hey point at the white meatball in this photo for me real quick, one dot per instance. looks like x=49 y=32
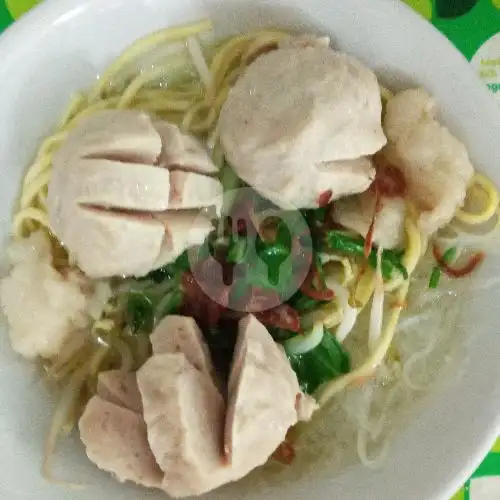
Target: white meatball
x=300 y=122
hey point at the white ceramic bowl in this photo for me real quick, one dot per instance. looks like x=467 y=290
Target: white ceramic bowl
x=63 y=44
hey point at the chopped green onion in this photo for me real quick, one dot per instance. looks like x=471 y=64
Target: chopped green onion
x=449 y=255
x=435 y=277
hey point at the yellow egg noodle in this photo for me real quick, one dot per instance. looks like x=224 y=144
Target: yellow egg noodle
x=482 y=182
x=411 y=257
x=189 y=87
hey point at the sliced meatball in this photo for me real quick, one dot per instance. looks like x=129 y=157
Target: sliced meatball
x=262 y=406
x=182 y=334
x=116 y=441
x=111 y=243
x=192 y=190
x=120 y=389
x=119 y=134
x=306 y=406
x=183 y=229
x=113 y=184
x=184 y=413
x=300 y=122
x=182 y=151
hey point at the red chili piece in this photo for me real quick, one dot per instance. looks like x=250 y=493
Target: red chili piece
x=314 y=288
x=389 y=180
x=460 y=272
x=369 y=234
x=283 y=316
x=324 y=198
x=285 y=453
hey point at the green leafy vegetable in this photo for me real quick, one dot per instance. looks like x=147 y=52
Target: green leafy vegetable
x=391 y=259
x=139 y=312
x=280 y=334
x=153 y=297
x=327 y=361
x=169 y=304
x=302 y=303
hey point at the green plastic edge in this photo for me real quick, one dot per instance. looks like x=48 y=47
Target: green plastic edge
x=5 y=17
